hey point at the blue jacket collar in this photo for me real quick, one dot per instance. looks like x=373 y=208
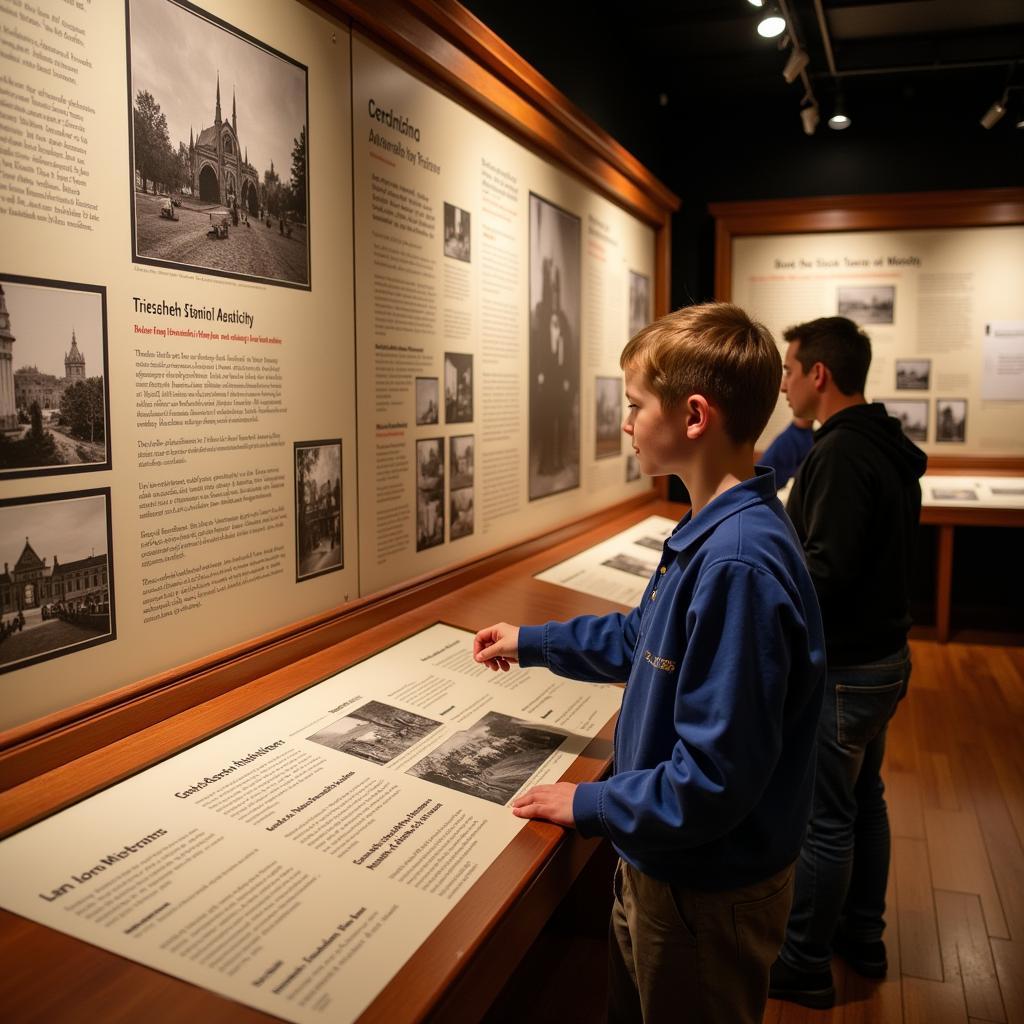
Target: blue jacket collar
x=758 y=489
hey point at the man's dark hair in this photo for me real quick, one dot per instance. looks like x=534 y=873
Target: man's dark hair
x=838 y=343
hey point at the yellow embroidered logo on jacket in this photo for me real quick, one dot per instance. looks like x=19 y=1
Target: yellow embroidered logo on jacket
x=663 y=664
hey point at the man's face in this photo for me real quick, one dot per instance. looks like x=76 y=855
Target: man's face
x=797 y=386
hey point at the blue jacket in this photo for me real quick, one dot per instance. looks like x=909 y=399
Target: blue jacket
x=787 y=451
x=725 y=662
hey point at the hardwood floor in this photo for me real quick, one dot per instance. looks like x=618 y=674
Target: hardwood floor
x=955 y=784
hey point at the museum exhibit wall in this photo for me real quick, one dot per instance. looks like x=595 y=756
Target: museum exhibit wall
x=286 y=323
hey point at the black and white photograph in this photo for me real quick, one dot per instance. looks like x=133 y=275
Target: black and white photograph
x=554 y=400
x=54 y=397
x=458 y=387
x=492 y=759
x=913 y=374
x=218 y=144
x=456 y=233
x=633 y=471
x=1007 y=492
x=429 y=493
x=375 y=732
x=867 y=303
x=461 y=513
x=426 y=401
x=912 y=414
x=461 y=460
x=607 y=417
x=651 y=543
x=951 y=420
x=954 y=494
x=318 y=547
x=639 y=301
x=627 y=563
x=57 y=587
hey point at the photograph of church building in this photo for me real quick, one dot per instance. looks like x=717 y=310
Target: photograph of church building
x=219 y=180
x=56 y=588
x=53 y=381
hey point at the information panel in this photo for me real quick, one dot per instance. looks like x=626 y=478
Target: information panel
x=297 y=860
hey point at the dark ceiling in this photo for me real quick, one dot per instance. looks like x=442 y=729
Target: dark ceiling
x=663 y=76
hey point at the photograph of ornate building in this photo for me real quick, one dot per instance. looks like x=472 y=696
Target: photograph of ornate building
x=53 y=397
x=220 y=193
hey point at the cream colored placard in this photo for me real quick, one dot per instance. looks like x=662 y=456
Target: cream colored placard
x=296 y=861
x=924 y=298
x=228 y=359
x=972 y=491
x=445 y=210
x=619 y=568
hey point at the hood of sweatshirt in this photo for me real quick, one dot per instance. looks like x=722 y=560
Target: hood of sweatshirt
x=874 y=422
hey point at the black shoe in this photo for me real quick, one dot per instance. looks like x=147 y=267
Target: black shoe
x=805 y=988
x=866 y=958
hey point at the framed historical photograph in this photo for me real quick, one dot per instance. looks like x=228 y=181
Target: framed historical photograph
x=57 y=587
x=426 y=401
x=913 y=374
x=456 y=233
x=951 y=420
x=554 y=367
x=429 y=493
x=492 y=759
x=218 y=143
x=458 y=387
x=867 y=303
x=461 y=513
x=633 y=471
x=318 y=532
x=375 y=732
x=461 y=460
x=607 y=417
x=912 y=414
x=639 y=301
x=54 y=384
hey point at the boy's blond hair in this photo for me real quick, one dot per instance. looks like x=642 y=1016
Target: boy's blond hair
x=714 y=350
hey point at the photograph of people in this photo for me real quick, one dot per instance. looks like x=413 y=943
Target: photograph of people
x=913 y=374
x=607 y=417
x=218 y=146
x=456 y=233
x=53 y=377
x=639 y=301
x=426 y=401
x=462 y=513
x=912 y=414
x=951 y=419
x=458 y=387
x=554 y=459
x=429 y=493
x=867 y=303
x=318 y=547
x=57 y=587
x=461 y=460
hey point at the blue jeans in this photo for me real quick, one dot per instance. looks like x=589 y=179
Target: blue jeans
x=843 y=868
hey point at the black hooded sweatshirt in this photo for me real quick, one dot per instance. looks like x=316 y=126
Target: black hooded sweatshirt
x=855 y=504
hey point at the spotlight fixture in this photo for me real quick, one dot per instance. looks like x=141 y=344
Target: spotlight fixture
x=994 y=114
x=772 y=24
x=810 y=117
x=756 y=3
x=840 y=120
x=797 y=61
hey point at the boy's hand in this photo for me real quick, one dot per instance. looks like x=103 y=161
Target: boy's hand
x=497 y=646
x=553 y=803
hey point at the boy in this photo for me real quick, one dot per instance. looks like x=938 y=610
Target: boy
x=714 y=750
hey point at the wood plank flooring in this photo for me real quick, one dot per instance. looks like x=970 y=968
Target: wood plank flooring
x=955 y=784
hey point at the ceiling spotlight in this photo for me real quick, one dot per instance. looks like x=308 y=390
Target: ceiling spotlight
x=756 y=3
x=772 y=24
x=840 y=120
x=810 y=117
x=797 y=61
x=994 y=113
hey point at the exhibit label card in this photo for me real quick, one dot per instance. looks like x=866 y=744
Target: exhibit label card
x=297 y=860
x=618 y=568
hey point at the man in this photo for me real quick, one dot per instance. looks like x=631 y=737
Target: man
x=855 y=504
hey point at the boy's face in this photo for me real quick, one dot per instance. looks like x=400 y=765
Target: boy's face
x=656 y=434
x=797 y=386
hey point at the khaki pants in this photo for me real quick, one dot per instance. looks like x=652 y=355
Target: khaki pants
x=681 y=955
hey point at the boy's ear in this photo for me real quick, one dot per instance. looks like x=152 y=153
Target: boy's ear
x=698 y=416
